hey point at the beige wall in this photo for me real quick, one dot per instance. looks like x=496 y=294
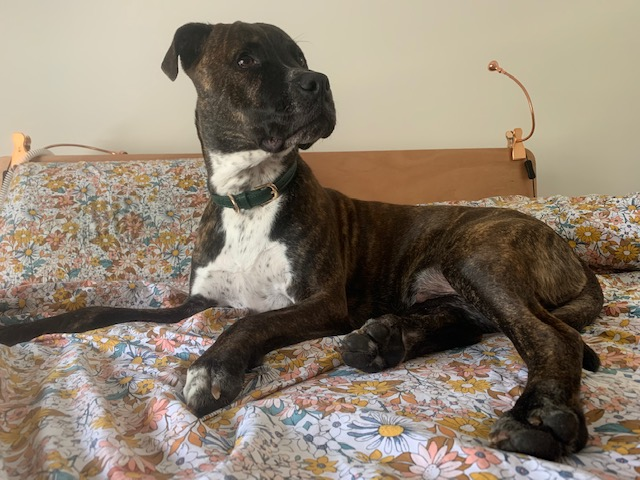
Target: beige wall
x=405 y=74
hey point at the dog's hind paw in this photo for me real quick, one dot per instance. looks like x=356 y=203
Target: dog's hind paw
x=375 y=346
x=549 y=432
x=207 y=389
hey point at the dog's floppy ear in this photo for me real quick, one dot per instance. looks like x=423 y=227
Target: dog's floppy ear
x=187 y=44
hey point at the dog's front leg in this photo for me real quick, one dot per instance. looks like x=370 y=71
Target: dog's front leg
x=216 y=378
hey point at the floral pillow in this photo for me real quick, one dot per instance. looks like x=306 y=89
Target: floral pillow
x=100 y=220
x=65 y=228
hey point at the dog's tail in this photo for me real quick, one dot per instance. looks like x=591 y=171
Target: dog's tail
x=91 y=318
x=582 y=311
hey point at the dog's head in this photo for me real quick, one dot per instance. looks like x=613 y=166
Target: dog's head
x=254 y=88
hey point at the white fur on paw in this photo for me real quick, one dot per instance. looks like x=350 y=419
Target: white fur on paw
x=197 y=385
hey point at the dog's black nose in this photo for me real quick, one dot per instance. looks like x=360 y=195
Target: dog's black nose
x=313 y=82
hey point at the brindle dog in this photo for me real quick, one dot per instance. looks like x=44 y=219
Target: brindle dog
x=310 y=262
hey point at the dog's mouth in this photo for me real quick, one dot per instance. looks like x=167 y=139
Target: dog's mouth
x=302 y=137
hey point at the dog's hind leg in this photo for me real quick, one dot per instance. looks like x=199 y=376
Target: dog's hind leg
x=91 y=318
x=516 y=273
x=547 y=420
x=434 y=325
x=582 y=311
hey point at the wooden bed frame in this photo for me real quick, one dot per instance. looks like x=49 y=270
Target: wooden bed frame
x=397 y=176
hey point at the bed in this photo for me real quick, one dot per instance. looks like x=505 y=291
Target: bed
x=108 y=403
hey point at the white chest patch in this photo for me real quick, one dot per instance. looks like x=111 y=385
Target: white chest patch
x=234 y=172
x=251 y=271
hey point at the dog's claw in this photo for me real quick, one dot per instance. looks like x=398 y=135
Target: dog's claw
x=215 y=390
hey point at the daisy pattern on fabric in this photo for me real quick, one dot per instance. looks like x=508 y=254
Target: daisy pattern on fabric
x=480 y=457
x=467 y=425
x=433 y=462
x=531 y=469
x=328 y=434
x=470 y=385
x=389 y=432
x=588 y=234
x=320 y=465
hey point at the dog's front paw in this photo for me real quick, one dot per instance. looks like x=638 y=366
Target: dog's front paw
x=548 y=431
x=209 y=388
x=375 y=346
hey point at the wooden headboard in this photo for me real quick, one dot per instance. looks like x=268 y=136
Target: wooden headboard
x=395 y=176
x=421 y=176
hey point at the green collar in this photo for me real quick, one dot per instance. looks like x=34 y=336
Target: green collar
x=260 y=196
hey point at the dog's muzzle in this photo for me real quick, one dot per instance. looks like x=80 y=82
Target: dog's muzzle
x=308 y=116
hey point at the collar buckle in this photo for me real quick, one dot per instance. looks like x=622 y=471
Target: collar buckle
x=236 y=208
x=274 y=191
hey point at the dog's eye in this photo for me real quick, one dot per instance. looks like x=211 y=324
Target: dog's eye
x=246 y=61
x=300 y=57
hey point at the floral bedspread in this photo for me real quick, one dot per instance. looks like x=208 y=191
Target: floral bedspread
x=108 y=403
